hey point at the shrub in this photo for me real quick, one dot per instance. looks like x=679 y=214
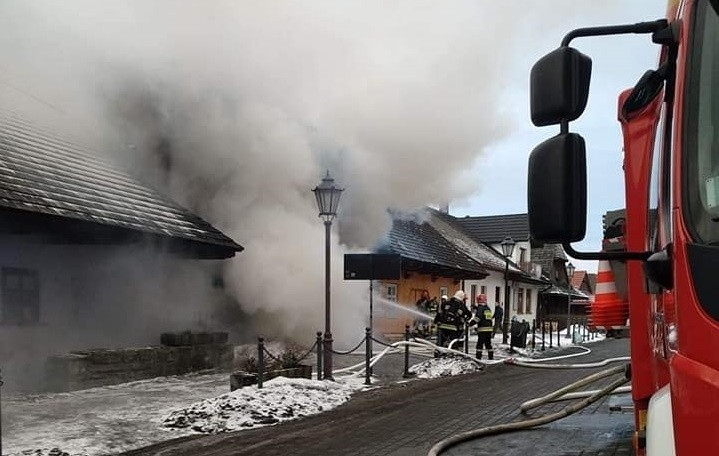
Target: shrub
x=248 y=364
x=290 y=358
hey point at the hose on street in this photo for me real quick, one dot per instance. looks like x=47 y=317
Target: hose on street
x=520 y=425
x=583 y=394
x=534 y=403
x=394 y=348
x=538 y=365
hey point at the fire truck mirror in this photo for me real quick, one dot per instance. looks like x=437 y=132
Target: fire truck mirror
x=645 y=90
x=559 y=86
x=658 y=269
x=557 y=190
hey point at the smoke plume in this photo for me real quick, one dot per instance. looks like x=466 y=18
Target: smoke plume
x=236 y=109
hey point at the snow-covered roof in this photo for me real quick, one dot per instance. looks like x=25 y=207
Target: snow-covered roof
x=419 y=241
x=448 y=227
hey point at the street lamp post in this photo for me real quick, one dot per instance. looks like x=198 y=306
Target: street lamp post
x=328 y=199
x=570 y=273
x=507 y=249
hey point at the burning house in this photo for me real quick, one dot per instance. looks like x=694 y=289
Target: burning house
x=440 y=255
x=90 y=257
x=429 y=262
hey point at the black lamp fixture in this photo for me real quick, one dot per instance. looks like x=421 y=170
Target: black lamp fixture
x=508 y=247
x=328 y=197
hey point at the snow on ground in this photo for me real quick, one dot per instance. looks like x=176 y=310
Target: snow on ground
x=281 y=399
x=444 y=367
x=119 y=418
x=102 y=420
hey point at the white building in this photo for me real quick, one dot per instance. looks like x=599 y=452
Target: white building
x=480 y=238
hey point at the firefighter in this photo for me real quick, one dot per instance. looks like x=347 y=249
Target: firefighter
x=483 y=319
x=498 y=318
x=420 y=326
x=451 y=317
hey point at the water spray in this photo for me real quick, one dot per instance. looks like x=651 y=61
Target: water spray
x=407 y=309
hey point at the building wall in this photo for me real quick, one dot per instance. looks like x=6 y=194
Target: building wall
x=96 y=297
x=390 y=320
x=495 y=280
x=517 y=253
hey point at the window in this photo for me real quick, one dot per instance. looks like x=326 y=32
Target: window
x=528 y=301
x=391 y=292
x=443 y=291
x=388 y=291
x=522 y=255
x=497 y=295
x=20 y=296
x=473 y=294
x=520 y=301
x=701 y=176
x=483 y=290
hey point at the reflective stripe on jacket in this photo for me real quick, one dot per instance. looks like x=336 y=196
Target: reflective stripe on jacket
x=484 y=318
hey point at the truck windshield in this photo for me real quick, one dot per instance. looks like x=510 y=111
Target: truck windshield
x=701 y=176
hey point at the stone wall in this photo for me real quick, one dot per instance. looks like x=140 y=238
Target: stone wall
x=91 y=368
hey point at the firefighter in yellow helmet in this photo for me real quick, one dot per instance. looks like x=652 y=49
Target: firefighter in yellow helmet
x=483 y=319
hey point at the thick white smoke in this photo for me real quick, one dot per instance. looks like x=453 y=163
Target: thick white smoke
x=248 y=103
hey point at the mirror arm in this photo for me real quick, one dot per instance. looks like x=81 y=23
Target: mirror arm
x=639 y=27
x=563 y=127
x=609 y=256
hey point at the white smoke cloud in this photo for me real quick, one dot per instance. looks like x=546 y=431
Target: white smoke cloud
x=254 y=100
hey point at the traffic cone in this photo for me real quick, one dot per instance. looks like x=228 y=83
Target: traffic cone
x=608 y=309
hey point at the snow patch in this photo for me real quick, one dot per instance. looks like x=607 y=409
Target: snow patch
x=48 y=452
x=280 y=399
x=444 y=367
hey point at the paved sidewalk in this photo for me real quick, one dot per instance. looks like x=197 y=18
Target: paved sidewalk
x=408 y=418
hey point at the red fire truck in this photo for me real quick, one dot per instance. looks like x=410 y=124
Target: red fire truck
x=670 y=122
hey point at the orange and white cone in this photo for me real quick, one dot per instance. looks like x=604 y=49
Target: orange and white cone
x=608 y=309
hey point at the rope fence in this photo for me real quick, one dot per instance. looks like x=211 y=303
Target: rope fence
x=308 y=352
x=349 y=352
x=380 y=342
x=536 y=332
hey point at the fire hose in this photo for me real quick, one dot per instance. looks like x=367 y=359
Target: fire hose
x=523 y=362
x=420 y=343
x=526 y=424
x=566 y=393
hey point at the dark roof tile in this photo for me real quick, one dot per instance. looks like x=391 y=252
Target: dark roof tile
x=418 y=240
x=42 y=173
x=490 y=258
x=493 y=229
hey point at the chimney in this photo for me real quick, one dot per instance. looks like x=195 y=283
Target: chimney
x=444 y=208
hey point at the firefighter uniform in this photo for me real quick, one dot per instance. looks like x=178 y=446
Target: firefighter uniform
x=483 y=319
x=451 y=317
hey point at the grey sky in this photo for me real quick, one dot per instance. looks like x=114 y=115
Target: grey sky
x=617 y=63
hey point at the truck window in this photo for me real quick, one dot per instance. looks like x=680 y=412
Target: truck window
x=701 y=158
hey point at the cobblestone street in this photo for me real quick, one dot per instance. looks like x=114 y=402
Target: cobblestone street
x=408 y=418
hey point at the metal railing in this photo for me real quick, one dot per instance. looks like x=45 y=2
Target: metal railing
x=551 y=329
